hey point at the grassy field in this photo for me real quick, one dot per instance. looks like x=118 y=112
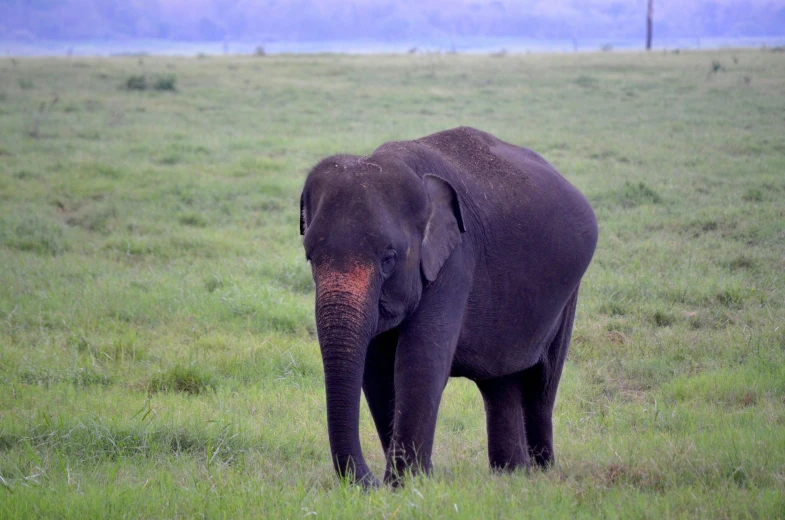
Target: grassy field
x=157 y=347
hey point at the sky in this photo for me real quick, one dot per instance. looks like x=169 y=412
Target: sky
x=384 y=20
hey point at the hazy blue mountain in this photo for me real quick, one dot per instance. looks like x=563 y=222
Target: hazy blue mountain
x=292 y=20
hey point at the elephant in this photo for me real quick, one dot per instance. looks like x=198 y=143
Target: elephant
x=453 y=255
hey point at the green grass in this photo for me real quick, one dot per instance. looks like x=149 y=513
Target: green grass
x=157 y=346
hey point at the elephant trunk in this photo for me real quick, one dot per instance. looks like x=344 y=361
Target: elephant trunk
x=346 y=318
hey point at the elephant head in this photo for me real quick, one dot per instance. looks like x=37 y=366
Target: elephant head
x=374 y=233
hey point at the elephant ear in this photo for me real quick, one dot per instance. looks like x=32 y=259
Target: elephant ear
x=444 y=227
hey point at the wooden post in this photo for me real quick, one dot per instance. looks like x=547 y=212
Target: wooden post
x=649 y=10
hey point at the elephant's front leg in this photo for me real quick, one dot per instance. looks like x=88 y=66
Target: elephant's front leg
x=422 y=366
x=419 y=383
x=378 y=384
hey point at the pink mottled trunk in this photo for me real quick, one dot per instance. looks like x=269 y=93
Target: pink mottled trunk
x=346 y=316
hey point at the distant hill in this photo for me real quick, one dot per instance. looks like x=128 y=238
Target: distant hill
x=292 y=20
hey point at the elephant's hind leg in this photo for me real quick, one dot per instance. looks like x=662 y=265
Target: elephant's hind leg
x=506 y=435
x=540 y=383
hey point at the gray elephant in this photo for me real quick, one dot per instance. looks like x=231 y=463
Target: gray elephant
x=456 y=254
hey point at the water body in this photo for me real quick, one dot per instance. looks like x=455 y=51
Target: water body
x=461 y=45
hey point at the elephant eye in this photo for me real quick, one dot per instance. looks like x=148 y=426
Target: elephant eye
x=388 y=261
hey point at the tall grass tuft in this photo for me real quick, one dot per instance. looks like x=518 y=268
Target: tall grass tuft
x=164 y=82
x=136 y=82
x=190 y=379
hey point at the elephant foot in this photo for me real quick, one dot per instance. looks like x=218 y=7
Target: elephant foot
x=543 y=456
x=521 y=463
x=368 y=482
x=395 y=474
